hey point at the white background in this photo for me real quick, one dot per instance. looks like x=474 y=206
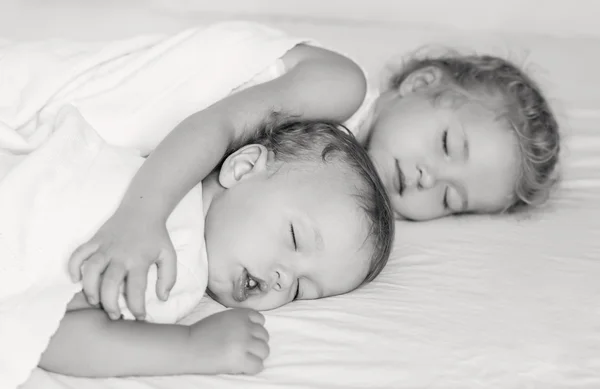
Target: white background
x=18 y=18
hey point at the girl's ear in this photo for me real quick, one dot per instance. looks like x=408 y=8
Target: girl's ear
x=244 y=163
x=421 y=79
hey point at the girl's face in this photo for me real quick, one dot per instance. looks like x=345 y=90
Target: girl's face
x=438 y=159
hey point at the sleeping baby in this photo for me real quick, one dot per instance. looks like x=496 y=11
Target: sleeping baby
x=297 y=213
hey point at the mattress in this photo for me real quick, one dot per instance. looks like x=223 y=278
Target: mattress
x=471 y=302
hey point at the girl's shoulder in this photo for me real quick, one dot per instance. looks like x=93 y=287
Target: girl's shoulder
x=282 y=65
x=360 y=122
x=275 y=70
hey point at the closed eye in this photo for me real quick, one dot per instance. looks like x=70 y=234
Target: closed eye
x=445 y=141
x=297 y=290
x=293 y=234
x=445 y=200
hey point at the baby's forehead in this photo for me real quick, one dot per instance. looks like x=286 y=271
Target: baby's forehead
x=331 y=189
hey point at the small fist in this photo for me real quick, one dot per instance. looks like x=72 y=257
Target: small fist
x=234 y=341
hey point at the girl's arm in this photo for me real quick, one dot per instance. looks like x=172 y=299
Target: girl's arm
x=319 y=84
x=89 y=344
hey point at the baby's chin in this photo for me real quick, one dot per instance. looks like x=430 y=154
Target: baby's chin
x=219 y=297
x=227 y=300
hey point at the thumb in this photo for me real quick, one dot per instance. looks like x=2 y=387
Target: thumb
x=167 y=272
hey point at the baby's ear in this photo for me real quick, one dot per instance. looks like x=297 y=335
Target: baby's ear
x=243 y=163
x=420 y=79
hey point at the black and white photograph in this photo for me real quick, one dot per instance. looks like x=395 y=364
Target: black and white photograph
x=299 y=194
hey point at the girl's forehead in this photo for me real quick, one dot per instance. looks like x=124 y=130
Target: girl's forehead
x=480 y=116
x=496 y=156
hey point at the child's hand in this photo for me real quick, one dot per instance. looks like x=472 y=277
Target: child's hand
x=230 y=342
x=124 y=248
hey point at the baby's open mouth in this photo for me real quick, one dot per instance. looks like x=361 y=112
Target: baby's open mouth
x=244 y=285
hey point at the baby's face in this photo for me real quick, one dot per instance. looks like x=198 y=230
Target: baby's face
x=436 y=159
x=298 y=234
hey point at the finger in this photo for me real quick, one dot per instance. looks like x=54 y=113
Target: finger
x=254 y=364
x=256 y=317
x=79 y=256
x=137 y=282
x=260 y=332
x=111 y=286
x=260 y=349
x=92 y=271
x=167 y=273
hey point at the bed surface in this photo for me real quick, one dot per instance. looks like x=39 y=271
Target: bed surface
x=473 y=302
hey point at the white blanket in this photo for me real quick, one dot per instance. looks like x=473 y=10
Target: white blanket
x=133 y=92
x=59 y=180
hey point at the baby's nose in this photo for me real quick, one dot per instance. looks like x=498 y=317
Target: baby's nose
x=282 y=280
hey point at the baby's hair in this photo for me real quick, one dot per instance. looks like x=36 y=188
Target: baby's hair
x=522 y=105
x=293 y=139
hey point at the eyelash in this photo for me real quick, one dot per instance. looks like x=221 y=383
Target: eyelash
x=293 y=233
x=297 y=290
x=445 y=141
x=293 y=237
x=445 y=199
x=445 y=148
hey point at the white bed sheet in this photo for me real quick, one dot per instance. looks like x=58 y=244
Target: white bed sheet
x=477 y=302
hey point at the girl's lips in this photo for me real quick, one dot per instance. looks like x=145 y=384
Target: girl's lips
x=401 y=178
x=239 y=291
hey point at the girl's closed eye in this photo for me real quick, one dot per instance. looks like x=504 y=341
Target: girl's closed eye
x=445 y=141
x=445 y=200
x=293 y=235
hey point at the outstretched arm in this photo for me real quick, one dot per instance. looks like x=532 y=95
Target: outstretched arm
x=89 y=344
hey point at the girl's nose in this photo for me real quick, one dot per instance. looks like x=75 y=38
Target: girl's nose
x=426 y=177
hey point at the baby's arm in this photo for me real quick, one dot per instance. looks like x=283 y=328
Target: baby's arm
x=319 y=84
x=89 y=344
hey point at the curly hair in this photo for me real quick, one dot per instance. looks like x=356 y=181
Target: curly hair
x=522 y=105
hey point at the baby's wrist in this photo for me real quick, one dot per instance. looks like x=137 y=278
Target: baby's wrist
x=192 y=358
x=201 y=357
